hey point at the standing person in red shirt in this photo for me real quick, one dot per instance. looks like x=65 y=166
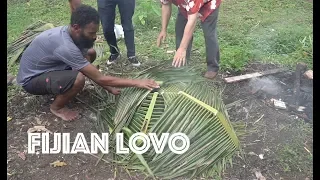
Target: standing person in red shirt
x=189 y=12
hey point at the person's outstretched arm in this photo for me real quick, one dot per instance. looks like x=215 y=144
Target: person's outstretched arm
x=166 y=10
x=73 y=57
x=193 y=7
x=93 y=73
x=180 y=56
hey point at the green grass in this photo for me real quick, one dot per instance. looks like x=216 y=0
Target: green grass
x=252 y=30
x=293 y=156
x=12 y=92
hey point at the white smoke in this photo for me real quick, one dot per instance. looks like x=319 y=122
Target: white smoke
x=266 y=84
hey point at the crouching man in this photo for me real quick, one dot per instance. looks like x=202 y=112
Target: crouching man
x=57 y=61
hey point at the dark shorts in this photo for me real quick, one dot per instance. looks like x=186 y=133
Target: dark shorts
x=55 y=82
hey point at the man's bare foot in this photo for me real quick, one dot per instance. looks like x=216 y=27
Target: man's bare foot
x=65 y=114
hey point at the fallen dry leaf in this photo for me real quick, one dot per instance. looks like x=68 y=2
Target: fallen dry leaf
x=38 y=120
x=58 y=164
x=22 y=155
x=308 y=151
x=38 y=129
x=261 y=156
x=9 y=119
x=252 y=154
x=259 y=175
x=308 y=74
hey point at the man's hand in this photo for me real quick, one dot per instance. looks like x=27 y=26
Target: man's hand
x=147 y=84
x=161 y=38
x=115 y=91
x=179 y=58
x=112 y=90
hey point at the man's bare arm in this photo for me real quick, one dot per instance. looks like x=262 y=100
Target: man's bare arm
x=188 y=31
x=93 y=73
x=166 y=14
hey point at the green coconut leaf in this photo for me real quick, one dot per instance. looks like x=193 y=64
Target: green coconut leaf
x=184 y=103
x=16 y=48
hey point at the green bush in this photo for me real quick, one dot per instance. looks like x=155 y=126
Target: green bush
x=147 y=14
x=234 y=57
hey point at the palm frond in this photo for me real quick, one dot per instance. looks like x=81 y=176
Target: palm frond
x=100 y=48
x=16 y=48
x=14 y=57
x=186 y=104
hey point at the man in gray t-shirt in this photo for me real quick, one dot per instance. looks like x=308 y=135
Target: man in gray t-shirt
x=58 y=59
x=52 y=50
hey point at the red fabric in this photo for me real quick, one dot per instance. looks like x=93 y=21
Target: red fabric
x=187 y=7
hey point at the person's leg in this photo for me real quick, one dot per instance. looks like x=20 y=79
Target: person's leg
x=64 y=84
x=89 y=54
x=209 y=27
x=106 y=9
x=126 y=10
x=179 y=30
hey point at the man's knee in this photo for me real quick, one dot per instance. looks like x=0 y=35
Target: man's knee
x=127 y=26
x=126 y=22
x=79 y=82
x=92 y=55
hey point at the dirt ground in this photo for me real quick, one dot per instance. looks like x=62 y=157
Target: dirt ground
x=269 y=130
x=274 y=129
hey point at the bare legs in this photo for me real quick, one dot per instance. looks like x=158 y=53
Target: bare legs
x=91 y=55
x=58 y=106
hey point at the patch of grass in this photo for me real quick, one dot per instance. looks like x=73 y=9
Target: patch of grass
x=234 y=58
x=14 y=69
x=22 y=13
x=12 y=91
x=284 y=45
x=296 y=154
x=268 y=30
x=247 y=30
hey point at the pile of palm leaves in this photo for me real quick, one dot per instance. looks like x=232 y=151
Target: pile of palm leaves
x=184 y=103
x=16 y=48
